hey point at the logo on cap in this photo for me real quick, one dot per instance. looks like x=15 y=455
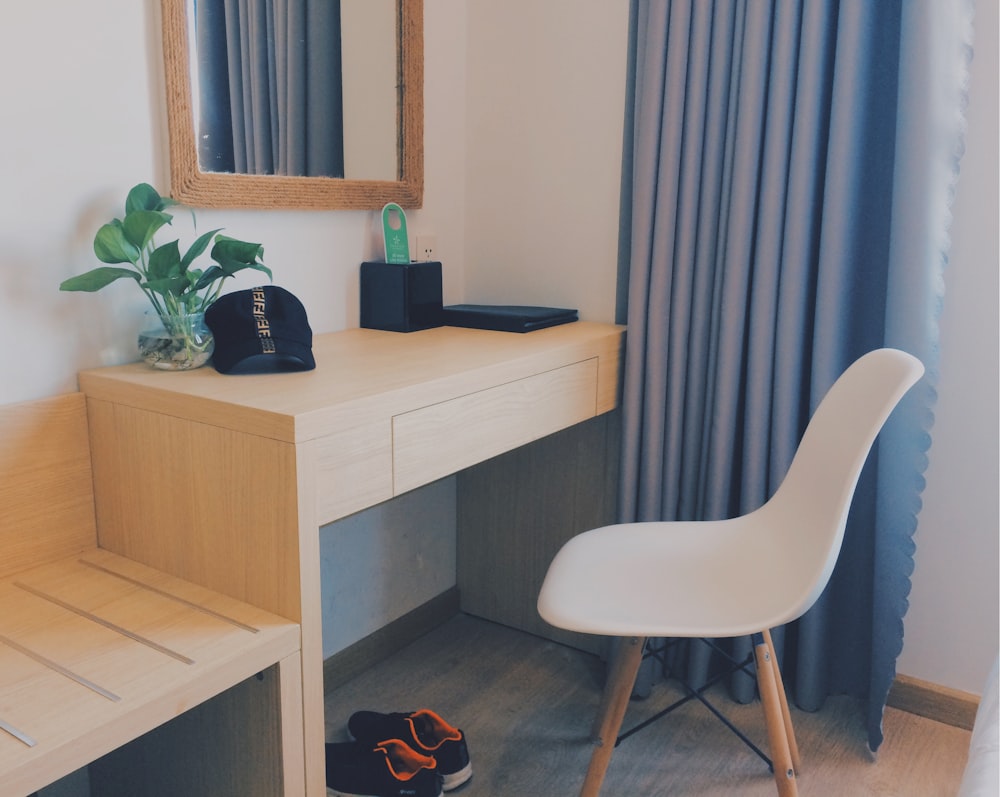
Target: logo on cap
x=260 y=319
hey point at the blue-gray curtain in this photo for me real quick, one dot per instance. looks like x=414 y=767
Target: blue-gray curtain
x=270 y=86
x=789 y=165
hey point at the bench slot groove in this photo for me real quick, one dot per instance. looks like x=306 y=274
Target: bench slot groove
x=52 y=665
x=162 y=592
x=106 y=623
x=20 y=735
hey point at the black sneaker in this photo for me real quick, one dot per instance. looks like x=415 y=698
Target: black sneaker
x=426 y=733
x=390 y=768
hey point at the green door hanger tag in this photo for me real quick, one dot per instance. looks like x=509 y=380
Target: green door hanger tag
x=397 y=245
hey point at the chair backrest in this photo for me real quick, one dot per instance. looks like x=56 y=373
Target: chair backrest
x=811 y=506
x=46 y=489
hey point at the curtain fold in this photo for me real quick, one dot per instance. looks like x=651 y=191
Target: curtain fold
x=773 y=179
x=270 y=87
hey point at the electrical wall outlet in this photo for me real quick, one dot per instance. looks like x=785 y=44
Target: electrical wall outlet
x=426 y=248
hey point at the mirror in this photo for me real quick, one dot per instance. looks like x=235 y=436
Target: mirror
x=194 y=186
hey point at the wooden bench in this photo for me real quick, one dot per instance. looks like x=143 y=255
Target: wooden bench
x=99 y=654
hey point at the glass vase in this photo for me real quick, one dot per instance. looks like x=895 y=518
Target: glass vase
x=175 y=342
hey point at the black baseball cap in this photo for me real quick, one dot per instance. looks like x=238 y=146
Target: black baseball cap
x=260 y=330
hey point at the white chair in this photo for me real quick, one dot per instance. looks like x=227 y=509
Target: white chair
x=733 y=577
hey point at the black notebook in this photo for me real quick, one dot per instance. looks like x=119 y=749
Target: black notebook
x=506 y=318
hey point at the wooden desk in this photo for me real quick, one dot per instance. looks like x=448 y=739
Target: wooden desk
x=193 y=470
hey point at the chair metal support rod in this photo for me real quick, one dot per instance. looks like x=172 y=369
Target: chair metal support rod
x=663 y=712
x=695 y=694
x=743 y=737
x=658 y=715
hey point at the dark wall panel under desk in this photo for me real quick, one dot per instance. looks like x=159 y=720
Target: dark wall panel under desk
x=515 y=511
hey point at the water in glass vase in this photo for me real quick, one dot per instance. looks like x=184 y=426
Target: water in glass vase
x=176 y=342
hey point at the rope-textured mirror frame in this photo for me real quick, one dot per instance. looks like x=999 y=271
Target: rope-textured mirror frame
x=192 y=186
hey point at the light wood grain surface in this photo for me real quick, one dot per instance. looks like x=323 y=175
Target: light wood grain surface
x=45 y=483
x=96 y=650
x=362 y=375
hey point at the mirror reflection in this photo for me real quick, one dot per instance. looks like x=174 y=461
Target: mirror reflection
x=296 y=87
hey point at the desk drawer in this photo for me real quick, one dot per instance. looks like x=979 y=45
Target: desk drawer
x=443 y=438
x=353 y=470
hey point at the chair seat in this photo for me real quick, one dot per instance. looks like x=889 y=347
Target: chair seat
x=619 y=580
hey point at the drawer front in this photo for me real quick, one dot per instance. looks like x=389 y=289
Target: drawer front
x=443 y=438
x=353 y=470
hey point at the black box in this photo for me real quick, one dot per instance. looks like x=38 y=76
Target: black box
x=401 y=297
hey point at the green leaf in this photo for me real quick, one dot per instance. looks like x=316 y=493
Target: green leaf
x=262 y=267
x=111 y=245
x=215 y=273
x=96 y=279
x=191 y=277
x=165 y=261
x=141 y=225
x=211 y=274
x=233 y=255
x=145 y=197
x=174 y=285
x=197 y=248
x=166 y=272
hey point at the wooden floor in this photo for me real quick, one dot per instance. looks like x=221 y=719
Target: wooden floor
x=526 y=705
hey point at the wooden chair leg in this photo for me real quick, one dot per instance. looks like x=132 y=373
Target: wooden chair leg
x=617 y=691
x=781 y=757
x=786 y=714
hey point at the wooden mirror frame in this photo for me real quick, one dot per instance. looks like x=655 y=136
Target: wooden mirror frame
x=192 y=186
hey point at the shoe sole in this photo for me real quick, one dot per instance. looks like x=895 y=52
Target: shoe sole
x=455 y=779
x=331 y=792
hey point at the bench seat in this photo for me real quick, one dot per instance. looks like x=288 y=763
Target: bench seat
x=162 y=686
x=96 y=650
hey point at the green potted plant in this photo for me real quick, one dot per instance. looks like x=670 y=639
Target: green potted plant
x=179 y=292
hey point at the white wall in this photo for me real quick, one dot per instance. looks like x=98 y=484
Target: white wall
x=523 y=107
x=546 y=104
x=951 y=629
